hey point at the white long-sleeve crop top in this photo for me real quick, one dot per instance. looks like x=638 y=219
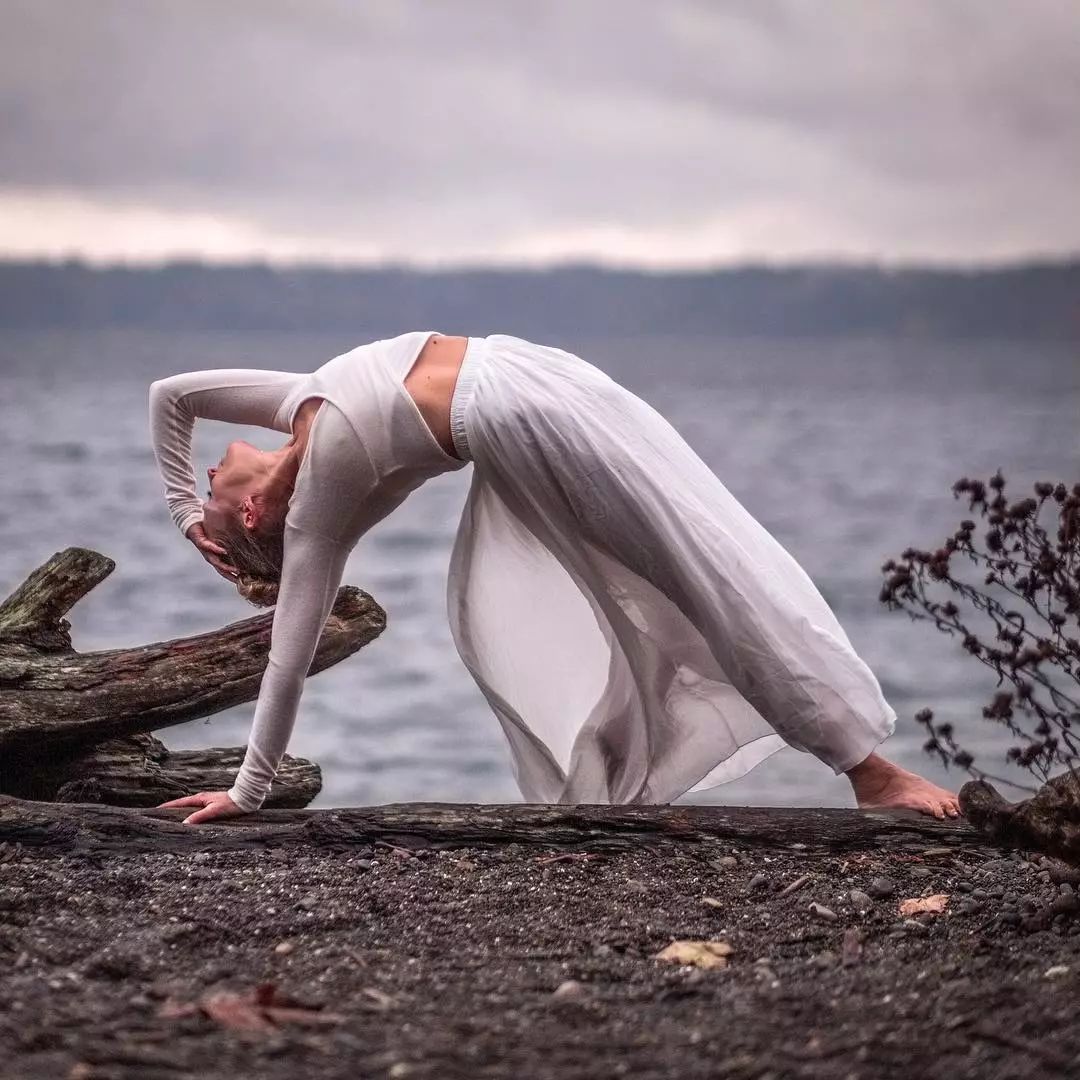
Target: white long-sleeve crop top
x=368 y=448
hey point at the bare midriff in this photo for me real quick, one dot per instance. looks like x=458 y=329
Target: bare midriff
x=431 y=383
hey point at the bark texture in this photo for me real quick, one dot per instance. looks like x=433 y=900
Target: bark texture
x=141 y=771
x=76 y=718
x=65 y=827
x=1047 y=822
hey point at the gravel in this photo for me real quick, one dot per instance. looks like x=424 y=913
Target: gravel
x=516 y=961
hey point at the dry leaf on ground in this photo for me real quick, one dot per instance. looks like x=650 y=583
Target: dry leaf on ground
x=259 y=1010
x=703 y=954
x=933 y=905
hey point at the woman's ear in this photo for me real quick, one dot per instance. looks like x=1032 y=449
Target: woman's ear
x=249 y=513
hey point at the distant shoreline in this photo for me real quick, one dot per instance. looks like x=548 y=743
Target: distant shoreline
x=1036 y=301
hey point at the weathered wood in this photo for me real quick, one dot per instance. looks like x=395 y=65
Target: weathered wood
x=62 y=827
x=1047 y=822
x=141 y=771
x=33 y=615
x=52 y=698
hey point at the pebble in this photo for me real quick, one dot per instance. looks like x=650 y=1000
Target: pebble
x=309 y=902
x=200 y=857
x=758 y=881
x=568 y=991
x=996 y=891
x=726 y=862
x=1056 y=972
x=964 y=886
x=824 y=959
x=919 y=872
x=969 y=907
x=881 y=888
x=980 y=894
x=821 y=912
x=283 y=948
x=861 y=901
x=914 y=925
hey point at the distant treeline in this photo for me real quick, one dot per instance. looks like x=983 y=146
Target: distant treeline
x=1029 y=301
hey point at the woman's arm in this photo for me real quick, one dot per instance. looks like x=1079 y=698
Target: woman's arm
x=310 y=576
x=235 y=395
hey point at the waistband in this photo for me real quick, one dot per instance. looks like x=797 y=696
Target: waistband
x=466 y=380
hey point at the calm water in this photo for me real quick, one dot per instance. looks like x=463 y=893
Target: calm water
x=846 y=451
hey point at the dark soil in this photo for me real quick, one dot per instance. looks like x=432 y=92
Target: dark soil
x=445 y=964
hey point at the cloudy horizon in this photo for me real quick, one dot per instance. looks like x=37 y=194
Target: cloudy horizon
x=686 y=135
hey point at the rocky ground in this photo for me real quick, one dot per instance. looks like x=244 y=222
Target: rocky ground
x=519 y=962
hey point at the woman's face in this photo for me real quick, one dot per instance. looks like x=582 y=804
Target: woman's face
x=235 y=477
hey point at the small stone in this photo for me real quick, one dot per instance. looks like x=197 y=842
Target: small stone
x=726 y=862
x=881 y=888
x=309 y=902
x=980 y=894
x=758 y=882
x=819 y=911
x=964 y=886
x=996 y=891
x=1056 y=972
x=1010 y=918
x=861 y=901
x=969 y=907
x=919 y=872
x=914 y=925
x=1066 y=889
x=201 y=857
x=364 y=864
x=824 y=959
x=570 y=990
x=283 y=948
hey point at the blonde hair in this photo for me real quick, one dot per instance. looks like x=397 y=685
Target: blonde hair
x=258 y=555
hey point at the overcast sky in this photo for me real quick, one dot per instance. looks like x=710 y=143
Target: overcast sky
x=663 y=133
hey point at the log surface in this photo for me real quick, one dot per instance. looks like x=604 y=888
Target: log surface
x=66 y=827
x=141 y=771
x=53 y=699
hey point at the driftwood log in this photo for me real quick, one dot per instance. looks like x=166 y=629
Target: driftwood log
x=1047 y=822
x=62 y=828
x=76 y=725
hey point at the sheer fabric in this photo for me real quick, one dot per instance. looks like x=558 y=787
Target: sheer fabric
x=637 y=633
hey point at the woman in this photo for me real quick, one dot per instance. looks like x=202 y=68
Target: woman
x=637 y=633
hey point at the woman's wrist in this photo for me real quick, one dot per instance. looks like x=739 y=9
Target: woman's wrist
x=244 y=800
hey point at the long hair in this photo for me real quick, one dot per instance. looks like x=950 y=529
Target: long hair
x=258 y=555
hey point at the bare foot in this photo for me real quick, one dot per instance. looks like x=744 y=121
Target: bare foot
x=880 y=784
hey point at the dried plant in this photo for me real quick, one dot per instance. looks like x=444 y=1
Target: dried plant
x=1030 y=595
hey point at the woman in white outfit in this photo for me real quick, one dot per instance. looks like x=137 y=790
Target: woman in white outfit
x=637 y=633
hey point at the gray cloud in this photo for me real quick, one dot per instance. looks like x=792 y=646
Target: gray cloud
x=671 y=132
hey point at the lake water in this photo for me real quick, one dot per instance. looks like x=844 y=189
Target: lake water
x=845 y=450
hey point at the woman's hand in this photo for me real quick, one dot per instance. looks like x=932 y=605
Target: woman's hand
x=215 y=804
x=212 y=551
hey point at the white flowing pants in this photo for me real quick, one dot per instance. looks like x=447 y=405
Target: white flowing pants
x=636 y=631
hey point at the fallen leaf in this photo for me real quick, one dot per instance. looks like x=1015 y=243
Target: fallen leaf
x=703 y=954
x=932 y=905
x=259 y=1010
